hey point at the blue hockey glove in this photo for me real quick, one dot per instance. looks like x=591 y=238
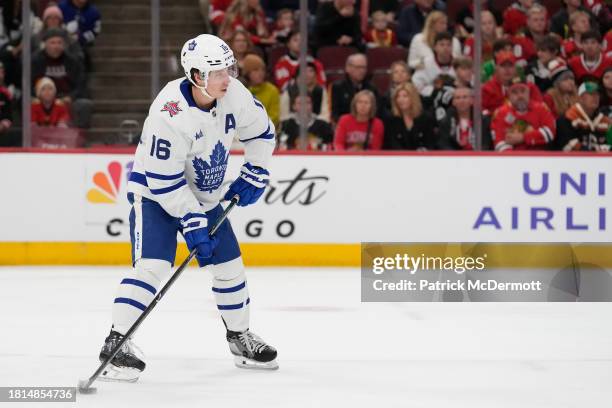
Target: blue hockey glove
x=195 y=231
x=250 y=185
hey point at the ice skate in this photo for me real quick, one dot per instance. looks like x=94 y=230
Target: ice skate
x=250 y=351
x=127 y=364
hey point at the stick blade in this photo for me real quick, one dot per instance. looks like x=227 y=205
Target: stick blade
x=84 y=389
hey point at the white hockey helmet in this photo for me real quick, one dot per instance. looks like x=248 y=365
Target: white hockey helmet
x=207 y=53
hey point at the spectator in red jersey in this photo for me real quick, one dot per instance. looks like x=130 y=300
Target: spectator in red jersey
x=580 y=24
x=422 y=45
x=47 y=110
x=215 y=11
x=536 y=70
x=495 y=90
x=522 y=123
x=457 y=127
x=563 y=93
x=360 y=129
x=6 y=104
x=525 y=41
x=490 y=34
x=287 y=65
x=409 y=128
x=248 y=15
x=380 y=35
x=584 y=126
x=593 y=62
x=515 y=16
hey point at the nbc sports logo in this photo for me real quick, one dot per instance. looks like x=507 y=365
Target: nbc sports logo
x=106 y=184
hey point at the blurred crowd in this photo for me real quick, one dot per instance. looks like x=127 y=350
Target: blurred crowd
x=380 y=74
x=399 y=75
x=62 y=34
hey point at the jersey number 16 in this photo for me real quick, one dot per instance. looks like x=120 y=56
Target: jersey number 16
x=160 y=148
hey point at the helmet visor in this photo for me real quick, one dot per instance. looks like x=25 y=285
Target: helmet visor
x=222 y=74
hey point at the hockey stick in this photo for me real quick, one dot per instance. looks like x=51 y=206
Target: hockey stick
x=84 y=386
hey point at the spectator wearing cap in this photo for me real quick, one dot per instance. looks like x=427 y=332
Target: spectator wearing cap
x=563 y=93
x=580 y=24
x=411 y=19
x=319 y=99
x=536 y=70
x=286 y=67
x=522 y=123
x=423 y=43
x=54 y=19
x=47 y=110
x=320 y=134
x=66 y=72
x=343 y=91
x=495 y=90
x=584 y=126
x=337 y=23
x=254 y=70
x=593 y=62
x=525 y=40
x=515 y=16
x=360 y=129
x=441 y=63
x=6 y=104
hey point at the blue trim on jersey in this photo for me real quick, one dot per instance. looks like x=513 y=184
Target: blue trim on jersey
x=234 y=307
x=163 y=176
x=257 y=103
x=132 y=302
x=265 y=135
x=158 y=191
x=138 y=178
x=230 y=290
x=139 y=283
x=186 y=91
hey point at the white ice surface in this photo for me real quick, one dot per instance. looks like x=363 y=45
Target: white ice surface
x=334 y=351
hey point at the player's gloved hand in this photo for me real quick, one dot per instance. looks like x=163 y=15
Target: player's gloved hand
x=195 y=231
x=250 y=185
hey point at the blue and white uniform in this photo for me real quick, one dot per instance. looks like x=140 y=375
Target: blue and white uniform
x=179 y=169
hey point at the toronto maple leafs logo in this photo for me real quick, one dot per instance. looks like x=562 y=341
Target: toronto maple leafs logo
x=191 y=46
x=210 y=176
x=172 y=107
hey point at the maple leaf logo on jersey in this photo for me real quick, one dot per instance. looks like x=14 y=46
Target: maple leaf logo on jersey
x=210 y=176
x=172 y=107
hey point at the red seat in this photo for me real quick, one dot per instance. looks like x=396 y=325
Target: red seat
x=381 y=58
x=334 y=57
x=273 y=54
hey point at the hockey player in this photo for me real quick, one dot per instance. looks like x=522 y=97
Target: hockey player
x=175 y=186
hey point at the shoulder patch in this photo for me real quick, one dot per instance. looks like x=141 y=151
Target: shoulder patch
x=172 y=107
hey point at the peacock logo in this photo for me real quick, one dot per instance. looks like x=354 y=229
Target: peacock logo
x=106 y=185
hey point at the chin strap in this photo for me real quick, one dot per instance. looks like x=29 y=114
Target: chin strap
x=202 y=88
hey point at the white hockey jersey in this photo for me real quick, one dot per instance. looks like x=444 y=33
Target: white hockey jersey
x=183 y=152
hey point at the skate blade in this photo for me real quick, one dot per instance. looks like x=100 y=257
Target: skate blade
x=119 y=374
x=247 y=363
